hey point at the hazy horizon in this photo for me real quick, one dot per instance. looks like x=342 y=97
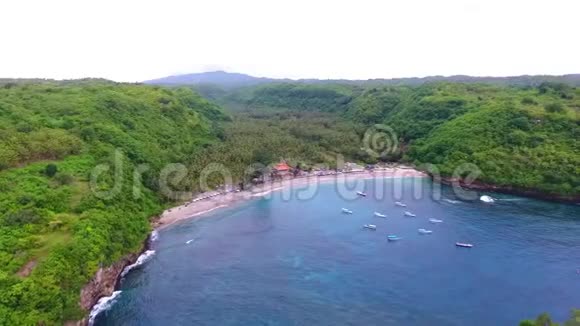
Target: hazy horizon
x=138 y=41
x=289 y=78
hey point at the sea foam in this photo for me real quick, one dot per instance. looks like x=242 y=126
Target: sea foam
x=103 y=304
x=154 y=236
x=140 y=261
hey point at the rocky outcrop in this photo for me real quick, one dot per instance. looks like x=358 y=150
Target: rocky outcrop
x=103 y=284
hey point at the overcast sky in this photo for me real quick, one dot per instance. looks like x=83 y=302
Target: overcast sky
x=137 y=40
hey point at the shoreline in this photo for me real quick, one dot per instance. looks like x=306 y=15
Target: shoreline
x=107 y=280
x=208 y=202
x=510 y=190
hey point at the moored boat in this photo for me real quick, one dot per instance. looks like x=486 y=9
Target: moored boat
x=377 y=214
x=435 y=221
x=424 y=231
x=393 y=237
x=486 y=199
x=464 y=245
x=398 y=203
x=409 y=214
x=370 y=226
x=360 y=193
x=346 y=211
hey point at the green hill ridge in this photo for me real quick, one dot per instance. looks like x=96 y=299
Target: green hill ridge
x=58 y=225
x=52 y=137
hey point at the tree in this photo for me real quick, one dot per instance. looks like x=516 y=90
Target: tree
x=545 y=320
x=64 y=178
x=51 y=170
x=574 y=318
x=527 y=323
x=554 y=107
x=528 y=101
x=522 y=123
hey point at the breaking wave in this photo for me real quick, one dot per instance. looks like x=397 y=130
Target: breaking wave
x=103 y=304
x=154 y=236
x=140 y=261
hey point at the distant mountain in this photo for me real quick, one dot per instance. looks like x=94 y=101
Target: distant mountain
x=221 y=78
x=228 y=80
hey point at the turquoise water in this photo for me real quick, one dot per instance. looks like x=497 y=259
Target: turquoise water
x=272 y=261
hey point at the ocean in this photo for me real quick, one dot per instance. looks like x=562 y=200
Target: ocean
x=293 y=258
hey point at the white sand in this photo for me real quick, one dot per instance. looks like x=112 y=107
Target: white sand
x=208 y=202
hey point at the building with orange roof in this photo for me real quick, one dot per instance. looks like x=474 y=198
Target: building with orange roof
x=282 y=170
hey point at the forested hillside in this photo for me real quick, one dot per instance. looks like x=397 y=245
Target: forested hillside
x=283 y=96
x=57 y=228
x=526 y=138
x=303 y=139
x=521 y=137
x=55 y=232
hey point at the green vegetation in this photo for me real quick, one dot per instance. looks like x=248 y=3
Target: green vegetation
x=514 y=144
x=545 y=320
x=327 y=98
x=522 y=137
x=296 y=97
x=52 y=136
x=301 y=138
x=58 y=226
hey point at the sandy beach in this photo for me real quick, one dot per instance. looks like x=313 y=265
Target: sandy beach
x=210 y=201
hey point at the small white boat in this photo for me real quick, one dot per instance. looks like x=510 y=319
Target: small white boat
x=398 y=203
x=346 y=211
x=360 y=193
x=409 y=214
x=393 y=237
x=370 y=226
x=464 y=245
x=424 y=231
x=189 y=241
x=377 y=214
x=486 y=199
x=435 y=221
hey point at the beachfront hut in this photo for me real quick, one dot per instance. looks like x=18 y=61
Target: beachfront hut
x=282 y=170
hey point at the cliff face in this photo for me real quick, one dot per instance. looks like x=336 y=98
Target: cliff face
x=106 y=279
x=104 y=282
x=101 y=285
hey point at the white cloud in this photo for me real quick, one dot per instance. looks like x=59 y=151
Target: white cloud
x=137 y=40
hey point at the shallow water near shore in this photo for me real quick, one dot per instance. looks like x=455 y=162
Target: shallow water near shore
x=272 y=261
